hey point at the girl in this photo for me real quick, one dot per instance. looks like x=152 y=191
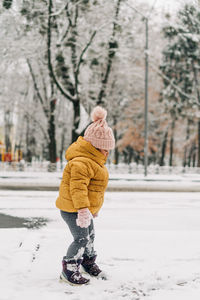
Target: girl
x=81 y=196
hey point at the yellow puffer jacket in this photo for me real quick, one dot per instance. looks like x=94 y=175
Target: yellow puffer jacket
x=85 y=178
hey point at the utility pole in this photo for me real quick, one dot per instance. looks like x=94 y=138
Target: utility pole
x=198 y=158
x=146 y=98
x=146 y=84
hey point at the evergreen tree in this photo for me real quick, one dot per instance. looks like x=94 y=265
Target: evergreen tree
x=181 y=67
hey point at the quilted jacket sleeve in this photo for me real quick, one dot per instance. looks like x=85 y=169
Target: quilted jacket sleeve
x=80 y=177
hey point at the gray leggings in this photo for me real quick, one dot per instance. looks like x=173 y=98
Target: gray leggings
x=83 y=243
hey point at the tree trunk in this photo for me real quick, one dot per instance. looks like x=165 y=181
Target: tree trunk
x=76 y=107
x=163 y=150
x=186 y=147
x=198 y=161
x=191 y=153
x=130 y=155
x=171 y=144
x=194 y=159
x=116 y=151
x=28 y=151
x=51 y=132
x=116 y=155
x=7 y=126
x=125 y=154
x=62 y=147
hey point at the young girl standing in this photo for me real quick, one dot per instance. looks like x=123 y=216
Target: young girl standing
x=81 y=196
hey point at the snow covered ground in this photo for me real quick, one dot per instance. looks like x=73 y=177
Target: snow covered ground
x=148 y=243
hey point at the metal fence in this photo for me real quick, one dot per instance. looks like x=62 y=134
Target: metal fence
x=121 y=168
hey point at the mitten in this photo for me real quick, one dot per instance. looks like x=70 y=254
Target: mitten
x=83 y=218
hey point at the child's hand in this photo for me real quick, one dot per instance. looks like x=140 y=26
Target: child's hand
x=95 y=215
x=84 y=218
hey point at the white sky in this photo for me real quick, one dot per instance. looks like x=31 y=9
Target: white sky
x=166 y=5
x=163 y=6
x=170 y=4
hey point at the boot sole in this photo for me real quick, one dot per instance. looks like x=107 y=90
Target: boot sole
x=101 y=275
x=63 y=279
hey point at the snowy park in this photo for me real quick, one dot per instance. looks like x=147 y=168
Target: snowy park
x=100 y=123
x=147 y=243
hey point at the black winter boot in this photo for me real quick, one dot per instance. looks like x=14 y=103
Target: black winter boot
x=71 y=273
x=91 y=267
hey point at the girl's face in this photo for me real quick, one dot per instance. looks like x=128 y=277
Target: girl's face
x=104 y=152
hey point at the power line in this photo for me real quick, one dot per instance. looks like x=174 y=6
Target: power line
x=136 y=10
x=139 y=12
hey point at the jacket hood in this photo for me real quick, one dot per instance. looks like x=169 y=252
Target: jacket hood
x=82 y=148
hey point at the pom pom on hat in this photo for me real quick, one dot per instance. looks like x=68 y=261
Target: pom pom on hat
x=99 y=134
x=98 y=113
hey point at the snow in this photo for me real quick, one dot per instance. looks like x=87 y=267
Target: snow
x=84 y=120
x=147 y=243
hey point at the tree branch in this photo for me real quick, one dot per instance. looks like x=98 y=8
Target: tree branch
x=68 y=15
x=196 y=80
x=111 y=54
x=65 y=34
x=36 y=88
x=43 y=82
x=51 y=71
x=175 y=86
x=59 y=11
x=84 y=50
x=81 y=58
x=26 y=112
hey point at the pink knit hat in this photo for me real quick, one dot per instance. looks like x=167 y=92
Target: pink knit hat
x=99 y=134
